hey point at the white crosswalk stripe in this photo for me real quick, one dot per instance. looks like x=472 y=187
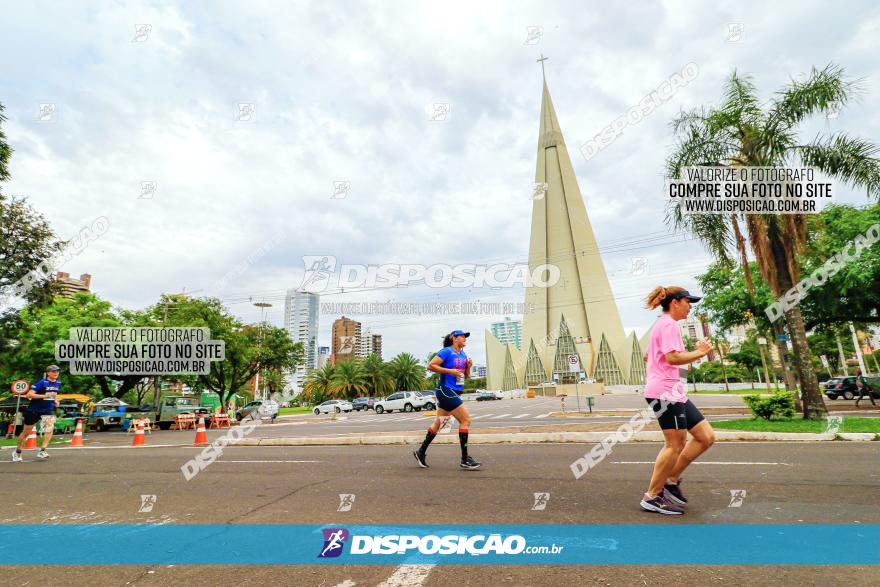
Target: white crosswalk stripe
x=543 y=415
x=521 y=416
x=481 y=416
x=501 y=416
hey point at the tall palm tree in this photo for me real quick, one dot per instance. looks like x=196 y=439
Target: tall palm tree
x=349 y=379
x=318 y=385
x=408 y=373
x=743 y=132
x=379 y=382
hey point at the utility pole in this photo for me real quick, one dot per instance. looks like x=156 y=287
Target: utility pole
x=852 y=330
x=842 y=357
x=262 y=306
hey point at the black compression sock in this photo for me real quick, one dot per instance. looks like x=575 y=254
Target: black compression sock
x=428 y=438
x=463 y=438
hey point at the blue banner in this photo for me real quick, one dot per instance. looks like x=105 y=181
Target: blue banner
x=277 y=544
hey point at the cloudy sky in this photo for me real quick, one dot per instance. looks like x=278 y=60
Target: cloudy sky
x=343 y=92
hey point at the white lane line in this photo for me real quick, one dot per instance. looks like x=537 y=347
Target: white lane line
x=483 y=416
x=543 y=415
x=228 y=461
x=54 y=448
x=520 y=416
x=501 y=416
x=408 y=576
x=703 y=463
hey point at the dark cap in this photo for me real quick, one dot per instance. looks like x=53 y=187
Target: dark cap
x=460 y=333
x=53 y=368
x=683 y=295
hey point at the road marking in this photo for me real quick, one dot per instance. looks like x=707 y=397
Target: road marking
x=483 y=416
x=702 y=463
x=501 y=416
x=520 y=416
x=54 y=448
x=543 y=415
x=408 y=576
x=228 y=461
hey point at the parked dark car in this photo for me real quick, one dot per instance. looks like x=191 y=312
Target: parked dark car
x=846 y=387
x=363 y=403
x=484 y=396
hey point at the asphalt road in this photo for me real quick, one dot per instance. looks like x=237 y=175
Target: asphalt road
x=791 y=483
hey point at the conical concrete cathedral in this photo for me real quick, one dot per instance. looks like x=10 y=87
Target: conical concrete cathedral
x=577 y=315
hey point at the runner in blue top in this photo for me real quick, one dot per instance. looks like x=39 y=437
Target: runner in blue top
x=453 y=366
x=41 y=407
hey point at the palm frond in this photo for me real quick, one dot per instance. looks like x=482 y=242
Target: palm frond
x=822 y=89
x=741 y=103
x=853 y=160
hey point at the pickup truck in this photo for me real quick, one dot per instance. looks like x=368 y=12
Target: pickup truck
x=173 y=405
x=108 y=413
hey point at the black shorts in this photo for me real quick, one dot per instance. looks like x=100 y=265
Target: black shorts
x=30 y=418
x=677 y=415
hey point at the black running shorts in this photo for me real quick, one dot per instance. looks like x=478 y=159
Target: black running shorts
x=676 y=415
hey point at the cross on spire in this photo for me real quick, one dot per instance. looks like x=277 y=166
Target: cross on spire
x=541 y=61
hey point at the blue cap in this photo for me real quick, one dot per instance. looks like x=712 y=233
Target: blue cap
x=460 y=333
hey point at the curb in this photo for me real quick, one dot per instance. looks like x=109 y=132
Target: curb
x=858 y=436
x=539 y=437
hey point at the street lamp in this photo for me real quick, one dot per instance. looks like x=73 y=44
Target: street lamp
x=262 y=306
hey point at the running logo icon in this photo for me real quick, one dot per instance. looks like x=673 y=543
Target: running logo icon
x=334 y=541
x=346 y=500
x=736 y=498
x=347 y=345
x=147 y=503
x=541 y=500
x=318 y=272
x=832 y=425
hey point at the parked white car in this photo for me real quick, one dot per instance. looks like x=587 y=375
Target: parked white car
x=405 y=401
x=333 y=405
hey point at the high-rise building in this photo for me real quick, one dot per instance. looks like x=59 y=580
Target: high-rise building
x=301 y=323
x=71 y=285
x=575 y=319
x=323 y=356
x=369 y=343
x=346 y=339
x=508 y=331
x=691 y=327
x=376 y=347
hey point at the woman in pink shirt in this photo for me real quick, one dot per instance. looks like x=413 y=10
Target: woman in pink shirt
x=666 y=392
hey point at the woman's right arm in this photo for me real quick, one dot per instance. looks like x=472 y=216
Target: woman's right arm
x=684 y=358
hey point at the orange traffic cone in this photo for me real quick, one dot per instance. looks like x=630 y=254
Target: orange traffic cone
x=201 y=434
x=139 y=438
x=77 y=439
x=31 y=439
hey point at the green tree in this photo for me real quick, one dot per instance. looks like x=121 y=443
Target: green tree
x=853 y=293
x=249 y=348
x=742 y=132
x=407 y=372
x=32 y=346
x=379 y=382
x=26 y=239
x=748 y=356
x=349 y=380
x=319 y=385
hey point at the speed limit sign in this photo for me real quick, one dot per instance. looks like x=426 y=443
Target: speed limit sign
x=20 y=387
